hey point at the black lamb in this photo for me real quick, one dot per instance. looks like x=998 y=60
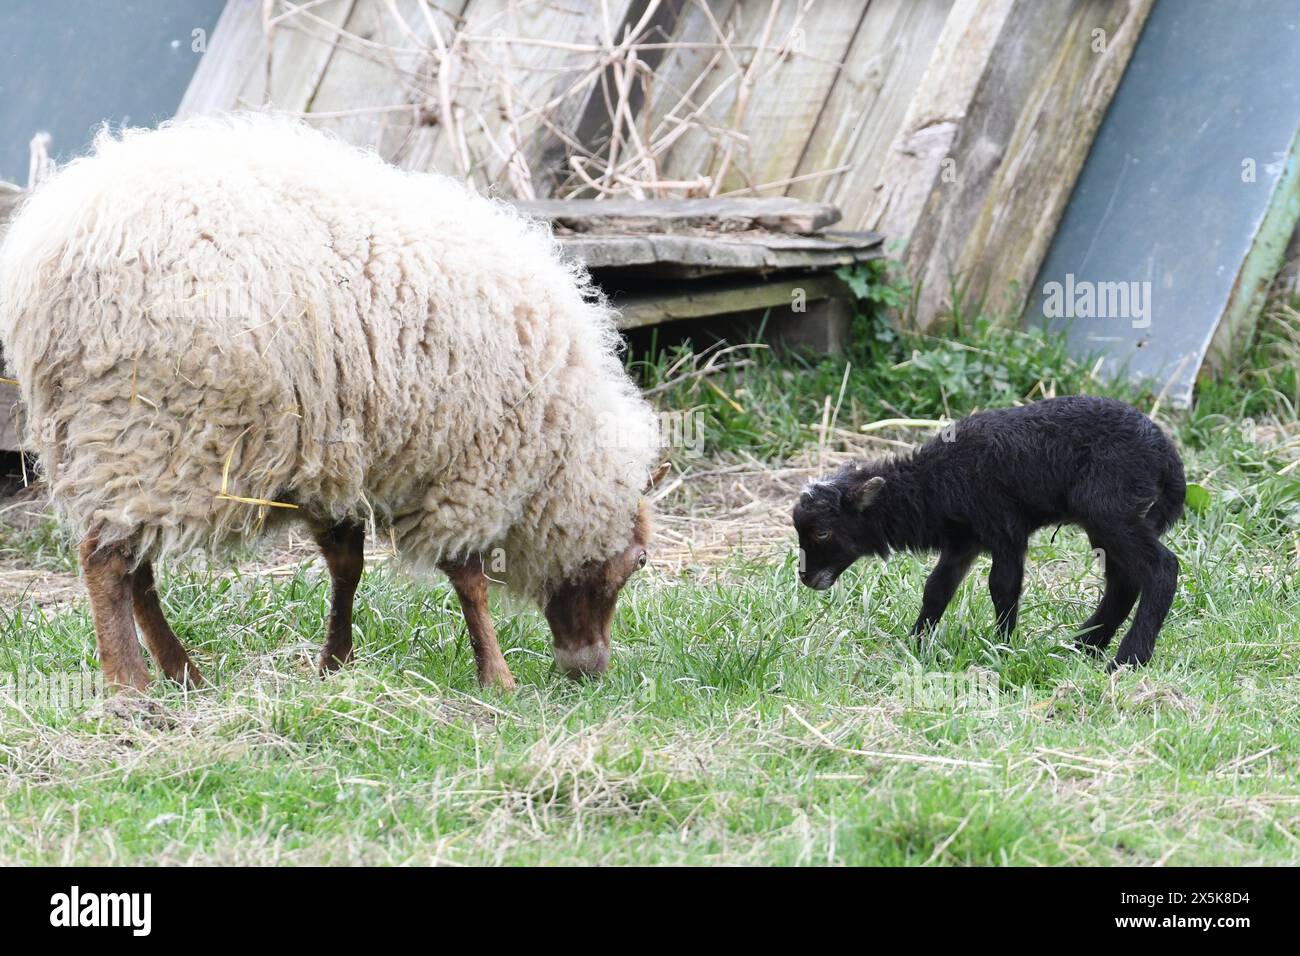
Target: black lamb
x=990 y=480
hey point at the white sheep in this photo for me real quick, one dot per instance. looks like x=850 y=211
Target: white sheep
x=229 y=322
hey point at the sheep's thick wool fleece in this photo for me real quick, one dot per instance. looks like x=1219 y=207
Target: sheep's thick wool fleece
x=248 y=307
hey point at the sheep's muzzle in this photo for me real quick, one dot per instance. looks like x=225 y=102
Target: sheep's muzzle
x=581 y=610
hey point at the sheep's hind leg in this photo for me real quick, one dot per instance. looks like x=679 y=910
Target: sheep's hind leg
x=343 y=546
x=470 y=582
x=1116 y=603
x=108 y=580
x=158 y=635
x=1159 y=582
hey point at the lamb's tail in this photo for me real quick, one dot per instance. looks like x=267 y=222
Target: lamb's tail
x=1168 y=506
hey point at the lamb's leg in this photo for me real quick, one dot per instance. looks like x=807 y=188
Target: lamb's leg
x=942 y=584
x=343 y=546
x=470 y=583
x=158 y=635
x=1158 y=577
x=108 y=580
x=1005 y=580
x=1116 y=603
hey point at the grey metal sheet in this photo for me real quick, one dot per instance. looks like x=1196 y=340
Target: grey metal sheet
x=1164 y=210
x=68 y=65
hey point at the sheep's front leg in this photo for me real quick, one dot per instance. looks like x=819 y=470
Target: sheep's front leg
x=1005 y=580
x=108 y=580
x=470 y=582
x=343 y=546
x=942 y=584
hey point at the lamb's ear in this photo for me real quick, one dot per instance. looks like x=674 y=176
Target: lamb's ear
x=658 y=475
x=865 y=495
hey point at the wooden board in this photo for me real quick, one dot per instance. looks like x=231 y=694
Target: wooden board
x=501 y=139
x=234 y=49
x=777 y=214
x=740 y=251
x=641 y=310
x=914 y=162
x=868 y=100
x=978 y=174
x=783 y=61
x=770 y=85
x=8 y=418
x=302 y=42
x=371 y=92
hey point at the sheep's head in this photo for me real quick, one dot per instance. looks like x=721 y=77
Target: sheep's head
x=581 y=610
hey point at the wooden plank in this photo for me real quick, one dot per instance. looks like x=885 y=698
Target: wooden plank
x=761 y=252
x=1018 y=150
x=868 y=101
x=641 y=310
x=372 y=92
x=625 y=216
x=302 y=45
x=593 y=122
x=914 y=162
x=506 y=140
x=773 y=99
x=9 y=199
x=8 y=417
x=235 y=49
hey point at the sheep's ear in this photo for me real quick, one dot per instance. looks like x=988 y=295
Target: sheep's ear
x=868 y=492
x=658 y=475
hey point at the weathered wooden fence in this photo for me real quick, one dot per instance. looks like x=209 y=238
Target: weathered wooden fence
x=954 y=127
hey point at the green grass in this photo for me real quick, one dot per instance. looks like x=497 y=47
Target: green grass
x=744 y=719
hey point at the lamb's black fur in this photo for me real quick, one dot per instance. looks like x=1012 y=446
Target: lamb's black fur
x=989 y=481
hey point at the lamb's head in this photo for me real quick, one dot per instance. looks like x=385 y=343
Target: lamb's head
x=581 y=610
x=837 y=524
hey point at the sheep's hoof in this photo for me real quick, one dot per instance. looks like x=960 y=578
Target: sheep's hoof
x=128 y=681
x=500 y=679
x=328 y=663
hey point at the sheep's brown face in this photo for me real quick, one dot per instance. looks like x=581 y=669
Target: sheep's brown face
x=580 y=612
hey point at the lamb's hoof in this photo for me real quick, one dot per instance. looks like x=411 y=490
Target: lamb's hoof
x=1092 y=650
